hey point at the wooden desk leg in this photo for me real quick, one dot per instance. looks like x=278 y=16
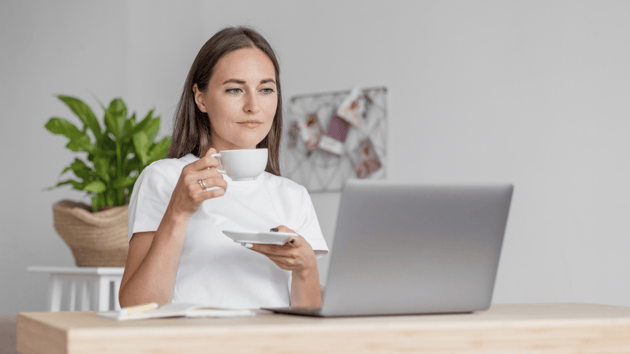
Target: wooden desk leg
x=54 y=293
x=103 y=294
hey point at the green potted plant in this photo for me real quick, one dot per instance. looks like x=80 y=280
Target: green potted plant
x=116 y=155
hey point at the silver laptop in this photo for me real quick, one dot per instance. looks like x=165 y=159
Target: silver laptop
x=413 y=249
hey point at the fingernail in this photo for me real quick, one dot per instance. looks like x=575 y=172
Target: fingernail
x=275 y=229
x=247 y=245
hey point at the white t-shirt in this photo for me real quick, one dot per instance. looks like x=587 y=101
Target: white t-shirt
x=213 y=269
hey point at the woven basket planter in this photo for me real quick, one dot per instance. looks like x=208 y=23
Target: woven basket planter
x=97 y=239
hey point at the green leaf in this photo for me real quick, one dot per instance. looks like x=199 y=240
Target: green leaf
x=75 y=184
x=159 y=149
x=121 y=115
x=130 y=188
x=142 y=144
x=152 y=129
x=101 y=165
x=140 y=126
x=65 y=170
x=109 y=198
x=111 y=124
x=131 y=165
x=95 y=203
x=81 y=143
x=80 y=169
x=98 y=201
x=129 y=125
x=105 y=146
x=84 y=112
x=127 y=152
x=122 y=182
x=95 y=187
x=115 y=117
x=61 y=126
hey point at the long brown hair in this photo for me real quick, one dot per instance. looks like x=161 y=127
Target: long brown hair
x=192 y=128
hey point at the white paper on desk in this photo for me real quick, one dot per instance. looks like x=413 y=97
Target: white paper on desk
x=179 y=310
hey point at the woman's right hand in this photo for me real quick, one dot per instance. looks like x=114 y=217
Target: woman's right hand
x=189 y=194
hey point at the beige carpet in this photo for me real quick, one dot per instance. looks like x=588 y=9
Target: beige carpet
x=8 y=327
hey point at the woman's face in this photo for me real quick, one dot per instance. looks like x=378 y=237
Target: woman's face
x=241 y=99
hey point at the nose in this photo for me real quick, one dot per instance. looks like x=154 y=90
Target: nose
x=251 y=104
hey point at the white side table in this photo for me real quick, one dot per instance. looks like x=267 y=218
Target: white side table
x=94 y=285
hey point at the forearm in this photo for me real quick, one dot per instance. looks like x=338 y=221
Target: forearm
x=154 y=279
x=305 y=288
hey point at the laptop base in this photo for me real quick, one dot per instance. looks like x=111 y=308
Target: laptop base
x=316 y=312
x=304 y=311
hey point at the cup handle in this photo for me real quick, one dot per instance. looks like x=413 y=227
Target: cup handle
x=218 y=156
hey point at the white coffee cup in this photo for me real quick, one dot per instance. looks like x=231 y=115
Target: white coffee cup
x=243 y=164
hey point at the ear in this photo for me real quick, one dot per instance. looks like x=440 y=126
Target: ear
x=199 y=99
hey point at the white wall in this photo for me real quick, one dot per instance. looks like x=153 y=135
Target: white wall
x=529 y=92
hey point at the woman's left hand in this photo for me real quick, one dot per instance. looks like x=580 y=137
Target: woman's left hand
x=295 y=255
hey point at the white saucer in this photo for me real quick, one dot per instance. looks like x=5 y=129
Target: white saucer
x=265 y=237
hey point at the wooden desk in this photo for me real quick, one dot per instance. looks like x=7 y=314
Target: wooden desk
x=526 y=328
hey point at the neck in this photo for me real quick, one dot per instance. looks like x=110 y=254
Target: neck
x=221 y=145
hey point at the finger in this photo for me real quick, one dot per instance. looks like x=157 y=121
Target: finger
x=279 y=253
x=213 y=183
x=206 y=173
x=276 y=256
x=270 y=249
x=203 y=163
x=282 y=228
x=215 y=193
x=282 y=259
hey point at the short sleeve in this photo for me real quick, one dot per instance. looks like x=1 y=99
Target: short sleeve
x=150 y=198
x=309 y=225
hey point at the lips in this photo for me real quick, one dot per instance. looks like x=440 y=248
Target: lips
x=251 y=123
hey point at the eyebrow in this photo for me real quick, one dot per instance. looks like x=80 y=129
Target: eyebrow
x=241 y=82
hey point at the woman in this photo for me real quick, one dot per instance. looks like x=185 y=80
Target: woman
x=177 y=252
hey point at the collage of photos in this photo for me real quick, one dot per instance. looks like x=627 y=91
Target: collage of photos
x=352 y=112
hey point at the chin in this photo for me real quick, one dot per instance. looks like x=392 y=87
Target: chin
x=245 y=145
x=250 y=142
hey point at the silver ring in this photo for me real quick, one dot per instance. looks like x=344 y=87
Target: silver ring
x=203 y=184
